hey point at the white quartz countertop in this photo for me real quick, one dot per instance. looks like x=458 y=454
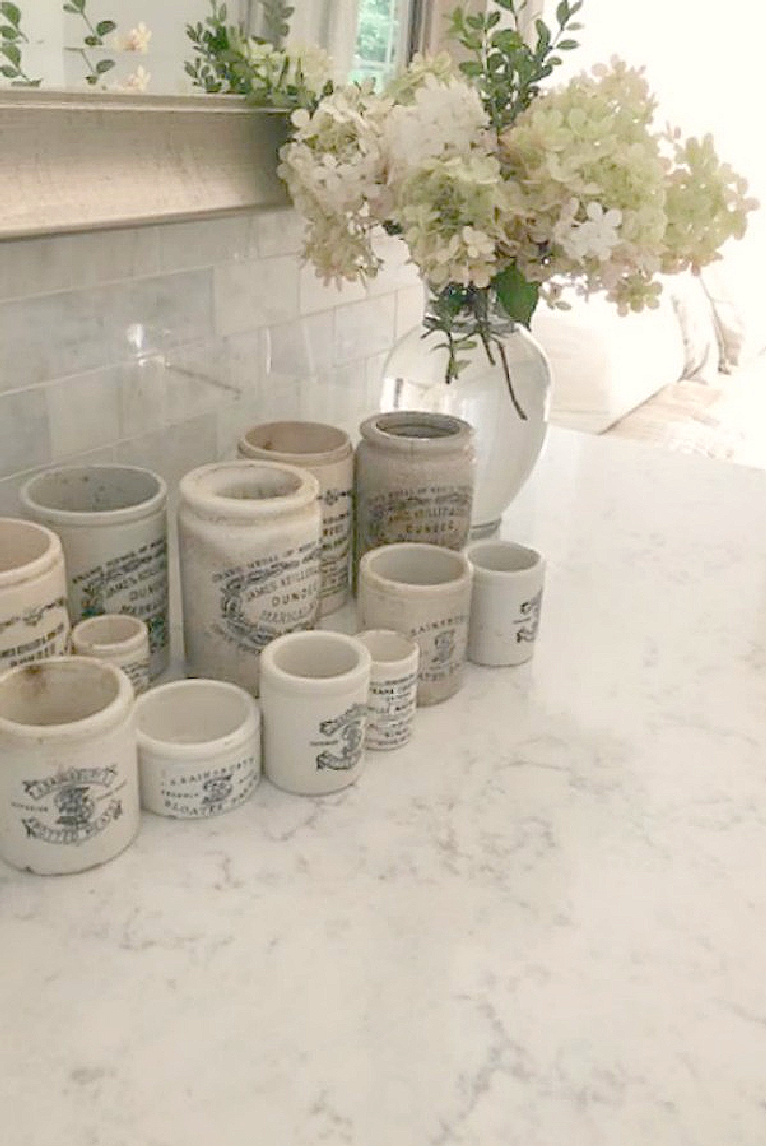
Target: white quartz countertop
x=542 y=922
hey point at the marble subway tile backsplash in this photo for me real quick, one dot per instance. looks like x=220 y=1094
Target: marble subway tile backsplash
x=158 y=345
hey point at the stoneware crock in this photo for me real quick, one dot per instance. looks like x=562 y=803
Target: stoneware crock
x=34 y=619
x=424 y=592
x=326 y=452
x=121 y=640
x=68 y=768
x=249 y=547
x=314 y=690
x=393 y=686
x=198 y=746
x=414 y=478
x=505 y=602
x=112 y=524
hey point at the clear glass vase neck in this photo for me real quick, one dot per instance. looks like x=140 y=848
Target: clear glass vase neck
x=499 y=323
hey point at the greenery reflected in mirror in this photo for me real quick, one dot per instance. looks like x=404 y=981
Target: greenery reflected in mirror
x=186 y=46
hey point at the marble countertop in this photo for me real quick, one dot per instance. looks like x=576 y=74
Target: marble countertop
x=542 y=922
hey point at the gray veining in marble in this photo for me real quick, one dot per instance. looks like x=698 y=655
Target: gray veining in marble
x=541 y=922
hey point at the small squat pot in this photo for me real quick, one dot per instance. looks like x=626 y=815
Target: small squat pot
x=198 y=747
x=34 y=620
x=119 y=639
x=505 y=602
x=314 y=691
x=113 y=528
x=425 y=592
x=414 y=480
x=393 y=686
x=326 y=452
x=68 y=768
x=249 y=550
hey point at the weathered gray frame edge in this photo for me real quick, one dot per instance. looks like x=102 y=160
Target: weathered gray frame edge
x=86 y=161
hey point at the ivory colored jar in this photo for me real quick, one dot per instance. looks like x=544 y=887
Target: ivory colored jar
x=112 y=525
x=34 y=621
x=249 y=548
x=68 y=766
x=414 y=480
x=314 y=710
x=198 y=748
x=119 y=639
x=425 y=592
x=326 y=452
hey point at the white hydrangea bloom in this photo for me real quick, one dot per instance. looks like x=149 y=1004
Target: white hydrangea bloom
x=443 y=119
x=591 y=238
x=137 y=40
x=139 y=80
x=277 y=70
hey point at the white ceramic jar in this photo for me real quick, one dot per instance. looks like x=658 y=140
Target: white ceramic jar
x=68 y=767
x=34 y=620
x=425 y=592
x=414 y=480
x=121 y=640
x=326 y=452
x=249 y=547
x=505 y=602
x=112 y=525
x=393 y=688
x=314 y=689
x=198 y=746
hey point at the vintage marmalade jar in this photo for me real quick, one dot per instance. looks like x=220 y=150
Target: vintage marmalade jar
x=414 y=480
x=249 y=550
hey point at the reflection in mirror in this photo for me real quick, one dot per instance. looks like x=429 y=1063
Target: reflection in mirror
x=144 y=46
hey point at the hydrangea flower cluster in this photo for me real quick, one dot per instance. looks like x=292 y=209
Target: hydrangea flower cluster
x=509 y=193
x=276 y=73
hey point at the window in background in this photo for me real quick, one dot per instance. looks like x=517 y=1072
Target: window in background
x=382 y=35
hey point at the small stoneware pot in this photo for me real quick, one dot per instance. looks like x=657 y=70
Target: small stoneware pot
x=314 y=690
x=425 y=592
x=121 y=640
x=68 y=769
x=505 y=602
x=393 y=685
x=198 y=748
x=34 y=620
x=414 y=480
x=112 y=524
x=326 y=452
x=249 y=547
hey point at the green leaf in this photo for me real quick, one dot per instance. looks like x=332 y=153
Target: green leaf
x=9 y=33
x=11 y=52
x=9 y=71
x=104 y=66
x=567 y=45
x=71 y=8
x=507 y=40
x=91 y=80
x=11 y=12
x=78 y=5
x=517 y=297
x=92 y=41
x=104 y=27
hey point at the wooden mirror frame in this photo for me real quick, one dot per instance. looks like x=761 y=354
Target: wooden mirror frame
x=81 y=161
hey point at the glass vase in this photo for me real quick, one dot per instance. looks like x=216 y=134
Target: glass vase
x=510 y=431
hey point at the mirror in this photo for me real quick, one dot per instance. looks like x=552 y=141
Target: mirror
x=101 y=125
x=142 y=46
